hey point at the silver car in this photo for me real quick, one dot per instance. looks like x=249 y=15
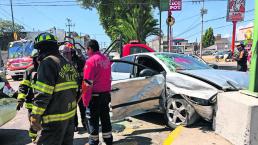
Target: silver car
x=178 y=85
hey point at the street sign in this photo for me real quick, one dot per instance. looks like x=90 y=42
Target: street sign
x=175 y=5
x=164 y=5
x=236 y=10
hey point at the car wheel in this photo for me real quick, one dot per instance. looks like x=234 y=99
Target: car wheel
x=179 y=112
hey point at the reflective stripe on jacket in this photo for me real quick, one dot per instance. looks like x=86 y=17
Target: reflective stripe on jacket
x=56 y=87
x=25 y=91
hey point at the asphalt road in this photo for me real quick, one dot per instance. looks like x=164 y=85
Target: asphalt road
x=147 y=129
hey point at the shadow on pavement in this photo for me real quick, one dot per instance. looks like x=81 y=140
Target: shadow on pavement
x=143 y=131
x=134 y=140
x=152 y=117
x=81 y=130
x=80 y=141
x=14 y=137
x=203 y=125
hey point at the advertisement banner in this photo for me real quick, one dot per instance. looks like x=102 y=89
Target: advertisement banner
x=236 y=10
x=175 y=5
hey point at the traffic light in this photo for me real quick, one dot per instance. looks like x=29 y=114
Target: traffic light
x=170 y=20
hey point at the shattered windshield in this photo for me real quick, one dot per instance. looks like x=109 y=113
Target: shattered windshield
x=181 y=62
x=20 y=49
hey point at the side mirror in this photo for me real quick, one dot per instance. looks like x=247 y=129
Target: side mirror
x=215 y=66
x=147 y=73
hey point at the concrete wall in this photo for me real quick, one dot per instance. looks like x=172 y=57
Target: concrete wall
x=237 y=118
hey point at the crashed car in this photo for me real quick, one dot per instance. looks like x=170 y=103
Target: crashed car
x=178 y=85
x=8 y=101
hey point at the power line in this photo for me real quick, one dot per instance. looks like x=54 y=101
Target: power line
x=16 y=19
x=219 y=27
x=219 y=18
x=55 y=3
x=188 y=29
x=49 y=18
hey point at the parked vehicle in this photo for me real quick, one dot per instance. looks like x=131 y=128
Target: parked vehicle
x=7 y=101
x=19 y=58
x=178 y=85
x=117 y=49
x=220 y=55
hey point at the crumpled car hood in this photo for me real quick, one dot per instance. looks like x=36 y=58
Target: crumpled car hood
x=222 y=78
x=189 y=86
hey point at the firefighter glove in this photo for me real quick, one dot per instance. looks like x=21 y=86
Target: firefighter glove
x=19 y=104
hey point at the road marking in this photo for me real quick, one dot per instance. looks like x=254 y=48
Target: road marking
x=173 y=135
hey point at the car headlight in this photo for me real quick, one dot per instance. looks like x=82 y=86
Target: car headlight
x=200 y=101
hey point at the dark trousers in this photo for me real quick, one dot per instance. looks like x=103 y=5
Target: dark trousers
x=242 y=68
x=99 y=109
x=57 y=133
x=82 y=112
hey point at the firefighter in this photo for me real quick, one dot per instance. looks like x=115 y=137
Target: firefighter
x=25 y=92
x=69 y=53
x=54 y=105
x=97 y=79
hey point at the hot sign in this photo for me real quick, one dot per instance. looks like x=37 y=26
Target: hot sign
x=175 y=5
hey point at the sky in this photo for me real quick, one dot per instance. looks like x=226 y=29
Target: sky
x=87 y=21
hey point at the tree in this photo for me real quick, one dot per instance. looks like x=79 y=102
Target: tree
x=132 y=19
x=7 y=26
x=208 y=38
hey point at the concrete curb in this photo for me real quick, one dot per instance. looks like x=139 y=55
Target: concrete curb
x=236 y=118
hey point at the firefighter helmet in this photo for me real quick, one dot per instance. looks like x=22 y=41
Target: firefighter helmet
x=44 y=38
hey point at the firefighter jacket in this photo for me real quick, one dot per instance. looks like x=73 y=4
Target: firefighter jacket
x=25 y=88
x=55 y=90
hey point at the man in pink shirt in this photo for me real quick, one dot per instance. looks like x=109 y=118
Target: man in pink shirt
x=96 y=97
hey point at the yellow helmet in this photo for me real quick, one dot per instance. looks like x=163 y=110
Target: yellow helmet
x=44 y=38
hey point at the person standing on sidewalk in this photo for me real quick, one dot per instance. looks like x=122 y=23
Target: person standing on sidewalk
x=97 y=79
x=54 y=105
x=25 y=92
x=242 y=58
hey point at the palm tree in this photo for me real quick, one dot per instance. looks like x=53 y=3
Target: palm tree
x=132 y=19
x=133 y=22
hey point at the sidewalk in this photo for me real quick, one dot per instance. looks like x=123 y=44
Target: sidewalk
x=198 y=135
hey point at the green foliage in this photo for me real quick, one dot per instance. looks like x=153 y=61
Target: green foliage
x=7 y=26
x=132 y=19
x=208 y=38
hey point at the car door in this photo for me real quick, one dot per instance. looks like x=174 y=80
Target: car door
x=133 y=95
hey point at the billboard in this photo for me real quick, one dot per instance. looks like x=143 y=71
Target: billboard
x=175 y=5
x=236 y=10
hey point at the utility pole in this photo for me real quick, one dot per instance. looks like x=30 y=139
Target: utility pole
x=12 y=16
x=69 y=25
x=203 y=12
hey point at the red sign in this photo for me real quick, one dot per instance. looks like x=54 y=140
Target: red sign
x=175 y=5
x=236 y=10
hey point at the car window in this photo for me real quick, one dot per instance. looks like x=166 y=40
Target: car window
x=181 y=62
x=136 y=49
x=150 y=63
x=123 y=67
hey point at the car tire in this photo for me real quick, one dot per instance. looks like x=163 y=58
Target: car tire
x=179 y=112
